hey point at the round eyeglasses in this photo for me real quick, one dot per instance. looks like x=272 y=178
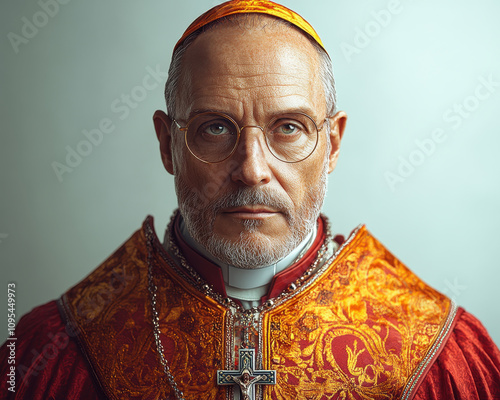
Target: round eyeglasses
x=213 y=137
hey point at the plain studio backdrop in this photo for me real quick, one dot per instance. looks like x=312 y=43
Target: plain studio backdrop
x=419 y=164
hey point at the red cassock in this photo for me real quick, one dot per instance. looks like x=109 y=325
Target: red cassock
x=361 y=327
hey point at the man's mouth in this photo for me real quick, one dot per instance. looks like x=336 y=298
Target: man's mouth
x=251 y=212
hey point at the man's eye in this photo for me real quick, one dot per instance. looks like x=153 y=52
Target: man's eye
x=216 y=129
x=288 y=129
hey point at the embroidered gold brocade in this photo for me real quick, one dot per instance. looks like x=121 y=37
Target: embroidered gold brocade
x=113 y=317
x=357 y=331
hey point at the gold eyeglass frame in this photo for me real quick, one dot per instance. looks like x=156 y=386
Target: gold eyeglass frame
x=239 y=129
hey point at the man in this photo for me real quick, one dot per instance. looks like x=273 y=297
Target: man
x=249 y=296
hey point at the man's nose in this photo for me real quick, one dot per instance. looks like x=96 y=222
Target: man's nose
x=251 y=155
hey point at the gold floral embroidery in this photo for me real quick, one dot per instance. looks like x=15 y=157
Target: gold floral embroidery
x=357 y=332
x=115 y=329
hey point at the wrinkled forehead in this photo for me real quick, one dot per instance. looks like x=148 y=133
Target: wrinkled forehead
x=251 y=57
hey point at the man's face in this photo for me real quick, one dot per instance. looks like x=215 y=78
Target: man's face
x=252 y=209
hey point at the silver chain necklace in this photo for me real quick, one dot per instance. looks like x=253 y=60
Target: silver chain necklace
x=156 y=327
x=207 y=289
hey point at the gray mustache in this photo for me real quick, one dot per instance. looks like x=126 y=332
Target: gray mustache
x=245 y=197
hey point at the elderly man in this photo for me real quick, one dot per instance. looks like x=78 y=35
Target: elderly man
x=249 y=296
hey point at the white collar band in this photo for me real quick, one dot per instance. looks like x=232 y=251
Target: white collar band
x=249 y=278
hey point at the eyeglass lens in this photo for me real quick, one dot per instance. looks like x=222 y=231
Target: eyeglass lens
x=213 y=137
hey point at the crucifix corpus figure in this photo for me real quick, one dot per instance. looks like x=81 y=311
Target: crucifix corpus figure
x=246 y=377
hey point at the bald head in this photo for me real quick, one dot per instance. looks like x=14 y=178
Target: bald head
x=241 y=65
x=271 y=31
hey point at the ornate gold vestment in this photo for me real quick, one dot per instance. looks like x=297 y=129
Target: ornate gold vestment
x=363 y=327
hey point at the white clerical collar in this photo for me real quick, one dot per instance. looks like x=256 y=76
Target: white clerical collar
x=244 y=280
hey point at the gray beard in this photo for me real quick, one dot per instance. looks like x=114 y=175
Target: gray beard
x=250 y=250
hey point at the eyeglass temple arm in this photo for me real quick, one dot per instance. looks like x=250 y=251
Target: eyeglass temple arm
x=176 y=123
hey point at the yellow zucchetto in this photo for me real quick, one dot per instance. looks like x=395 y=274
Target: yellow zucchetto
x=247 y=7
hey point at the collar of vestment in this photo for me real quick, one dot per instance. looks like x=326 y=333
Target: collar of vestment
x=363 y=326
x=275 y=277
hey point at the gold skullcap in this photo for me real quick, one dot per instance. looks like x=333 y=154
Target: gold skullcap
x=250 y=6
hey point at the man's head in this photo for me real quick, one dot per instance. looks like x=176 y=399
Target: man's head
x=251 y=209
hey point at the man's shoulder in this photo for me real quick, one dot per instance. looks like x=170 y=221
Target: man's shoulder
x=468 y=366
x=46 y=339
x=43 y=321
x=117 y=269
x=44 y=348
x=117 y=276
x=133 y=247
x=464 y=356
x=42 y=326
x=364 y=256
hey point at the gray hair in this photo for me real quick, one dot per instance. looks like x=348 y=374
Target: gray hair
x=174 y=73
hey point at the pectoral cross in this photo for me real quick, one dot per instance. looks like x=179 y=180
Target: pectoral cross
x=246 y=378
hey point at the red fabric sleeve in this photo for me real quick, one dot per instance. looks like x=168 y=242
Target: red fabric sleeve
x=468 y=368
x=49 y=364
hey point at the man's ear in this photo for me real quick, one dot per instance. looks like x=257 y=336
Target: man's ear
x=163 y=125
x=337 y=127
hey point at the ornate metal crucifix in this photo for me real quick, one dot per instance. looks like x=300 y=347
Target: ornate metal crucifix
x=246 y=378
